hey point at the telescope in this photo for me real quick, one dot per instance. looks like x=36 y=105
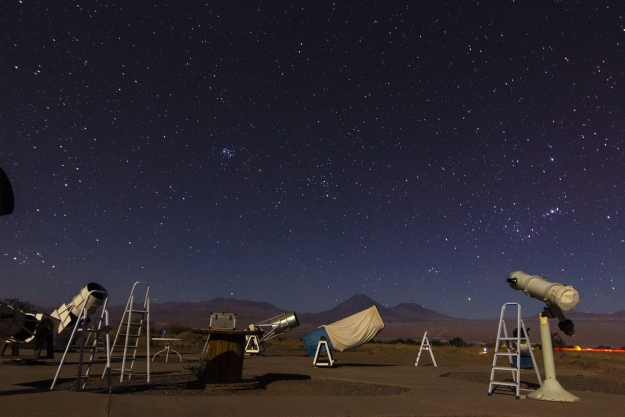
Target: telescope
x=19 y=327
x=279 y=324
x=68 y=314
x=558 y=297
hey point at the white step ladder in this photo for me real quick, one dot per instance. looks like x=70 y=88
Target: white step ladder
x=425 y=343
x=134 y=325
x=512 y=354
x=99 y=330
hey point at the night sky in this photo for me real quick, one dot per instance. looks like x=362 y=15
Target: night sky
x=300 y=153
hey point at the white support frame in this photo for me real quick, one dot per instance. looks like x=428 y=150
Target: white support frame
x=319 y=361
x=252 y=346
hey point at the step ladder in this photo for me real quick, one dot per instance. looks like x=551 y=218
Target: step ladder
x=134 y=325
x=99 y=331
x=425 y=343
x=509 y=349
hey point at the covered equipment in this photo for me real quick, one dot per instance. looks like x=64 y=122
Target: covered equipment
x=348 y=333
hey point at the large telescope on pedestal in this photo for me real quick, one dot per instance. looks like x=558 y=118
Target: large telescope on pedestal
x=558 y=298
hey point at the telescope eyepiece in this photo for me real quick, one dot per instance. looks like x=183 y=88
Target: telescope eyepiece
x=567 y=327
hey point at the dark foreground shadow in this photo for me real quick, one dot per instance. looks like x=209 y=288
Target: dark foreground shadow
x=360 y=365
x=33 y=388
x=265 y=380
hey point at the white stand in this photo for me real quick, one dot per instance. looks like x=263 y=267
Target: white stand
x=425 y=342
x=551 y=390
x=252 y=347
x=319 y=361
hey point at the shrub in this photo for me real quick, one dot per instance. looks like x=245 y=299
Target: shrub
x=25 y=306
x=177 y=328
x=198 y=369
x=457 y=342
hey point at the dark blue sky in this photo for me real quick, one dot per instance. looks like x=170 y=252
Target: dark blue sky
x=302 y=152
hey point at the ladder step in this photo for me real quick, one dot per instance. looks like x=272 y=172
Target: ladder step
x=138 y=311
x=505 y=354
x=504 y=368
x=85 y=348
x=507 y=384
x=73 y=377
x=128 y=356
x=78 y=362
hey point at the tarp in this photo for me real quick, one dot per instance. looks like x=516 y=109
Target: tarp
x=355 y=330
x=311 y=340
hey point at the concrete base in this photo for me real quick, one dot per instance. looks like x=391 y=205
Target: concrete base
x=551 y=390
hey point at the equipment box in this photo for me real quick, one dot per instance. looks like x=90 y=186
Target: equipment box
x=223 y=321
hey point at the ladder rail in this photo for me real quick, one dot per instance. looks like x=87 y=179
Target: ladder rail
x=141 y=319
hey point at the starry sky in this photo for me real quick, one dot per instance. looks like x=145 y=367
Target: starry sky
x=303 y=152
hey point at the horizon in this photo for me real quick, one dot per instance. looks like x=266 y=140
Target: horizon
x=526 y=311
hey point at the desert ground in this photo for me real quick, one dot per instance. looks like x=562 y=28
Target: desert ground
x=373 y=379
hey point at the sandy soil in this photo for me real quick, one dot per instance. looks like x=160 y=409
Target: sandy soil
x=583 y=371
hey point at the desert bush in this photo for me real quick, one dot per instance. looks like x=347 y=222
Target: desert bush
x=457 y=342
x=557 y=340
x=403 y=342
x=198 y=369
x=176 y=329
x=19 y=304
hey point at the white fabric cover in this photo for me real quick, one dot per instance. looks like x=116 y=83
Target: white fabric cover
x=355 y=330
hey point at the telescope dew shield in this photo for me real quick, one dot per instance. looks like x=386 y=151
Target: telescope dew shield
x=279 y=324
x=68 y=314
x=286 y=321
x=563 y=296
x=93 y=302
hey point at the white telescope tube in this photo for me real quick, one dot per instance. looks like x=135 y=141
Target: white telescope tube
x=563 y=296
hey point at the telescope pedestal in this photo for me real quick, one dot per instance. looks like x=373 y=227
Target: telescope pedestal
x=550 y=390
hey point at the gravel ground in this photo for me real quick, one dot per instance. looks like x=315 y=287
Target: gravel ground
x=302 y=385
x=568 y=382
x=268 y=384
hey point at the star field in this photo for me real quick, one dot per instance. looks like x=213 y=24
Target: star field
x=300 y=153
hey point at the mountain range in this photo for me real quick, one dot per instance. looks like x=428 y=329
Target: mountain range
x=406 y=320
